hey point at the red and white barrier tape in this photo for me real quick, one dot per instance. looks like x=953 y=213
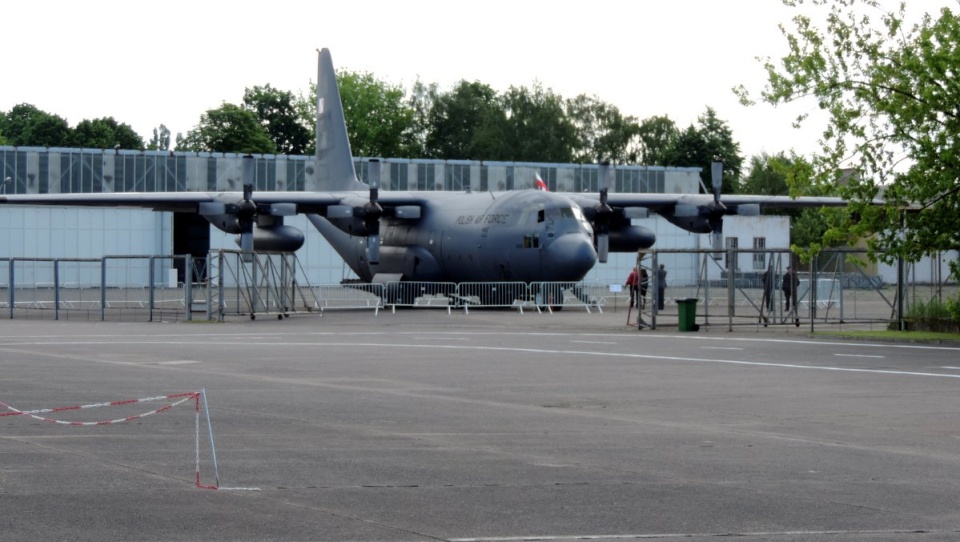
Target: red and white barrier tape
x=35 y=414
x=183 y=397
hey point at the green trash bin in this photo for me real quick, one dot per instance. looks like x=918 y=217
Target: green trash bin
x=687 y=310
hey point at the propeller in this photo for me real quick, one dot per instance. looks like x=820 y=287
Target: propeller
x=246 y=208
x=717 y=209
x=603 y=215
x=372 y=212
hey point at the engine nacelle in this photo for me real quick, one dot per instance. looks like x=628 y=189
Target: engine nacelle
x=631 y=239
x=276 y=239
x=226 y=223
x=693 y=224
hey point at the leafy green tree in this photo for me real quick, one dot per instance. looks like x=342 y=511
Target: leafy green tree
x=773 y=176
x=25 y=125
x=160 y=140
x=229 y=128
x=890 y=97
x=656 y=136
x=378 y=121
x=536 y=127
x=766 y=175
x=466 y=124
x=603 y=133
x=277 y=112
x=106 y=133
x=421 y=102
x=711 y=139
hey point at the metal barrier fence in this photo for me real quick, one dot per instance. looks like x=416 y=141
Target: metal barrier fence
x=832 y=289
x=109 y=288
x=836 y=288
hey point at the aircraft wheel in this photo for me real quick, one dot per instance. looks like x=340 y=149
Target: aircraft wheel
x=253 y=316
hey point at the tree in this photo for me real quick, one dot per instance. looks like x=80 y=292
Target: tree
x=774 y=176
x=277 y=112
x=711 y=139
x=378 y=121
x=160 y=140
x=106 y=133
x=466 y=124
x=603 y=133
x=421 y=102
x=656 y=136
x=229 y=128
x=25 y=125
x=536 y=128
x=890 y=96
x=766 y=175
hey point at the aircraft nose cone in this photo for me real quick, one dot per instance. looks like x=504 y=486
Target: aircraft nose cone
x=571 y=256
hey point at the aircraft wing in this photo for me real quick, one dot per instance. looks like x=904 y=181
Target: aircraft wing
x=668 y=203
x=305 y=202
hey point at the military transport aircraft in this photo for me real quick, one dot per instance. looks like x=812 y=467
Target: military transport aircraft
x=521 y=235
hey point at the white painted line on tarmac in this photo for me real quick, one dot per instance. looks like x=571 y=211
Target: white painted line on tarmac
x=550 y=352
x=664 y=536
x=719 y=348
x=593 y=342
x=951 y=368
x=859 y=356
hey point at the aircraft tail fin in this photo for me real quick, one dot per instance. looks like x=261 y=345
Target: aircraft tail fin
x=334 y=160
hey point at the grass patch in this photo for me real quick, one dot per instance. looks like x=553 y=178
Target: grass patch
x=889 y=335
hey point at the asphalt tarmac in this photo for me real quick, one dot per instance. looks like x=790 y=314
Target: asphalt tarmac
x=488 y=426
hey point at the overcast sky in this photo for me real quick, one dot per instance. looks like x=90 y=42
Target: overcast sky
x=150 y=63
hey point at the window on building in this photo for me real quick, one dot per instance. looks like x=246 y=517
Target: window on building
x=730 y=258
x=759 y=258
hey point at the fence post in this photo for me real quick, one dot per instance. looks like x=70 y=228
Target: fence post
x=188 y=286
x=813 y=290
x=150 y=280
x=11 y=286
x=103 y=288
x=731 y=276
x=56 y=289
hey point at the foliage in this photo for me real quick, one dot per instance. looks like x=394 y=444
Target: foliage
x=766 y=175
x=699 y=145
x=26 y=125
x=603 y=133
x=934 y=309
x=378 y=121
x=536 y=127
x=656 y=136
x=421 y=102
x=277 y=113
x=889 y=94
x=160 y=140
x=229 y=128
x=465 y=123
x=105 y=133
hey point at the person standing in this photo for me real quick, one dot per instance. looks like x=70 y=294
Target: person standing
x=661 y=286
x=633 y=283
x=767 y=283
x=789 y=287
